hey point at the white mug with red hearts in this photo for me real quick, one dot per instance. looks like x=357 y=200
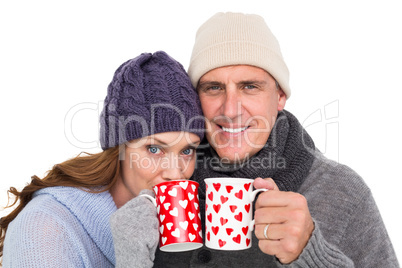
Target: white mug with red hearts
x=228 y=213
x=179 y=215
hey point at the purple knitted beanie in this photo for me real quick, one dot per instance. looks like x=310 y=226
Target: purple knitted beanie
x=149 y=94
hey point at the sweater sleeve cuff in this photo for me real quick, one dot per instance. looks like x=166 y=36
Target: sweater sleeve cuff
x=319 y=253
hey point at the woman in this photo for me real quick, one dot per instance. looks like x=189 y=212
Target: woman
x=151 y=124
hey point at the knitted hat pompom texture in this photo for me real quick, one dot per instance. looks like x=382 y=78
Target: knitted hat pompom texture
x=237 y=39
x=149 y=94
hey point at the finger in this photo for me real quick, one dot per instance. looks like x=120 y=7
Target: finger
x=275 y=231
x=272 y=199
x=271 y=247
x=280 y=199
x=278 y=249
x=267 y=183
x=271 y=215
x=260 y=231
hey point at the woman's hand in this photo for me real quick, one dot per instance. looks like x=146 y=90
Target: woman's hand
x=135 y=232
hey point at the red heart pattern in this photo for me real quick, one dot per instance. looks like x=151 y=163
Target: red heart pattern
x=247 y=186
x=247 y=207
x=217 y=208
x=245 y=230
x=239 y=216
x=209 y=217
x=224 y=199
x=211 y=196
x=237 y=239
x=239 y=194
x=225 y=210
x=232 y=208
x=217 y=186
x=223 y=221
x=178 y=209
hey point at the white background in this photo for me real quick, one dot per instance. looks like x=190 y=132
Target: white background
x=58 y=57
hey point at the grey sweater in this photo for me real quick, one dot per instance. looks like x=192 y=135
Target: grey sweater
x=349 y=231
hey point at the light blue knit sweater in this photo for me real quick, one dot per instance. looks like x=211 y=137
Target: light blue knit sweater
x=62 y=227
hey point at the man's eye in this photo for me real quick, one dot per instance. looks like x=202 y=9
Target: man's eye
x=209 y=87
x=250 y=87
x=154 y=150
x=214 y=88
x=188 y=151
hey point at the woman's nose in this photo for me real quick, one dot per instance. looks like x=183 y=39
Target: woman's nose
x=173 y=170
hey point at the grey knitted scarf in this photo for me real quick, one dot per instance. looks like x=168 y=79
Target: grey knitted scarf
x=286 y=158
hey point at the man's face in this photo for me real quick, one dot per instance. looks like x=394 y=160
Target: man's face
x=240 y=103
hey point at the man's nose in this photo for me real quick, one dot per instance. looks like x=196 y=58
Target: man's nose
x=231 y=107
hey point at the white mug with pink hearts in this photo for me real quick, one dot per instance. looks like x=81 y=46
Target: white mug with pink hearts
x=228 y=213
x=179 y=215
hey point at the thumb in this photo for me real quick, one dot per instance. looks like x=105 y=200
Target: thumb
x=267 y=183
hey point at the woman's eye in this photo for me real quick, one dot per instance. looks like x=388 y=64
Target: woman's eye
x=188 y=151
x=154 y=150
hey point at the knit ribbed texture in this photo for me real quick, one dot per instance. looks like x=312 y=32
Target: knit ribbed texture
x=233 y=39
x=287 y=158
x=319 y=253
x=149 y=94
x=135 y=232
x=62 y=227
x=349 y=231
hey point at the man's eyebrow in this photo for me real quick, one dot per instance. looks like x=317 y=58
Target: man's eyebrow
x=211 y=82
x=202 y=84
x=248 y=82
x=208 y=83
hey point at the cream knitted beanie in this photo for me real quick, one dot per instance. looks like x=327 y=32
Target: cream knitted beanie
x=233 y=39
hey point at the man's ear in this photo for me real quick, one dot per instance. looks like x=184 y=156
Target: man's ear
x=281 y=99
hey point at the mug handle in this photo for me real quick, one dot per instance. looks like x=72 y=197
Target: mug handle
x=253 y=195
x=152 y=199
x=255 y=192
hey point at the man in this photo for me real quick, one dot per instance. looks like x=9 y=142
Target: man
x=317 y=213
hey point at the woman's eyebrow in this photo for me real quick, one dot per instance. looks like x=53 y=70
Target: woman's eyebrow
x=193 y=145
x=161 y=142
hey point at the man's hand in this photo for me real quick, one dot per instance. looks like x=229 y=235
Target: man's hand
x=289 y=219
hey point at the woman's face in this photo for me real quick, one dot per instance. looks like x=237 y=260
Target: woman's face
x=152 y=160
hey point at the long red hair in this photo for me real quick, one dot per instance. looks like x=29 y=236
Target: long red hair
x=87 y=171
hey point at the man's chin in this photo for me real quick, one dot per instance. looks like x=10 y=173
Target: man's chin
x=232 y=156
x=233 y=151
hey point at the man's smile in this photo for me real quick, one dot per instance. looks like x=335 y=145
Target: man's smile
x=234 y=130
